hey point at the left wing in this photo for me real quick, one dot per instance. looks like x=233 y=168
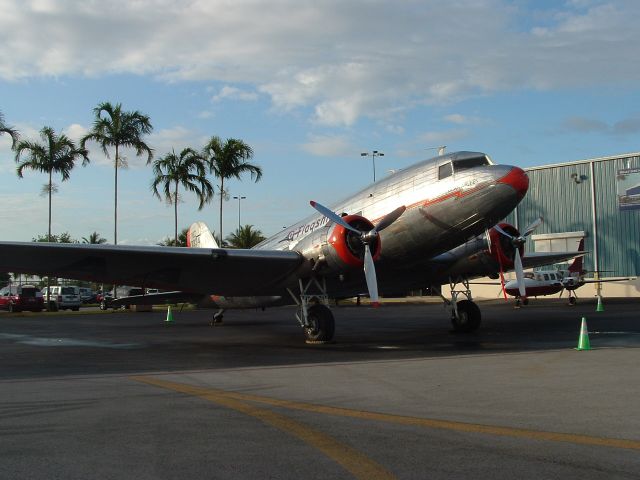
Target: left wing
x=194 y=270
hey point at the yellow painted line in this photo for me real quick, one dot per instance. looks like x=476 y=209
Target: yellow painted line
x=433 y=423
x=359 y=465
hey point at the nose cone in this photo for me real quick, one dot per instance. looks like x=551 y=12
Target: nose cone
x=518 y=180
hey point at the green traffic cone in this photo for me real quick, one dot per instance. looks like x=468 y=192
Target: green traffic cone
x=583 y=340
x=169 y=319
x=600 y=307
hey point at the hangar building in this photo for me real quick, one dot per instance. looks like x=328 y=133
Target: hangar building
x=596 y=199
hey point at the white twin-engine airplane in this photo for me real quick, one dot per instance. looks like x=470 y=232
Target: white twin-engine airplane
x=427 y=225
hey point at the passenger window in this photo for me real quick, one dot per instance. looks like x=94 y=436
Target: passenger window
x=546 y=277
x=444 y=170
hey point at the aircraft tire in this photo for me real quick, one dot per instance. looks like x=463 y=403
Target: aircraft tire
x=468 y=318
x=322 y=324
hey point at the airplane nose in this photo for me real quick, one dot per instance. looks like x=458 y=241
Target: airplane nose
x=518 y=180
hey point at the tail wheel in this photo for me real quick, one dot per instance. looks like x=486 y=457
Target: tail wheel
x=321 y=324
x=468 y=318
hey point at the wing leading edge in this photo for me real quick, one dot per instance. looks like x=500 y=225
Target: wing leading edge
x=195 y=270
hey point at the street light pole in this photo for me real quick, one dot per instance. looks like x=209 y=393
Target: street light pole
x=373 y=154
x=239 y=198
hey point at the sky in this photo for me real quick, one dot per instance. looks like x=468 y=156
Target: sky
x=309 y=85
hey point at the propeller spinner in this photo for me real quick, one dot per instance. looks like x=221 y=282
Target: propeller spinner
x=367 y=238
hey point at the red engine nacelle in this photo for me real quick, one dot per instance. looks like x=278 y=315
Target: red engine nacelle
x=348 y=245
x=502 y=247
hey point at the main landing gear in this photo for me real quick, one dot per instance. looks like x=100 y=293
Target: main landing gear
x=217 y=318
x=313 y=312
x=465 y=314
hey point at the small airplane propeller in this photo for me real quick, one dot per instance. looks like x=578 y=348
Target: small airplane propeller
x=517 y=261
x=367 y=238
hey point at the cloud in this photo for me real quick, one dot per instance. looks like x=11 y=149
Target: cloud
x=233 y=93
x=436 y=138
x=460 y=119
x=329 y=146
x=320 y=57
x=627 y=126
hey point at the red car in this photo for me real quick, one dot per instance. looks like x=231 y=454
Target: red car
x=16 y=298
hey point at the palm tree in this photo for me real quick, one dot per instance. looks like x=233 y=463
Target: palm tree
x=170 y=242
x=229 y=160
x=186 y=169
x=245 y=237
x=4 y=128
x=57 y=154
x=94 y=239
x=114 y=128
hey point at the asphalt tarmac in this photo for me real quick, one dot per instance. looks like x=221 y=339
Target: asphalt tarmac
x=397 y=395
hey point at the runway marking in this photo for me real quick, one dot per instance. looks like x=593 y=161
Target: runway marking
x=405 y=420
x=359 y=465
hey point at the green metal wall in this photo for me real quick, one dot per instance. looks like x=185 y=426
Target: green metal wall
x=566 y=207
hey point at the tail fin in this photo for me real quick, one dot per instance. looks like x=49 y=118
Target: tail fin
x=576 y=266
x=199 y=236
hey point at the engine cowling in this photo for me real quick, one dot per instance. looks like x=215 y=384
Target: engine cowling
x=483 y=255
x=502 y=248
x=335 y=248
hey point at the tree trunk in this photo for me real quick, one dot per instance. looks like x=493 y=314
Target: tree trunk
x=115 y=214
x=175 y=211
x=49 y=240
x=115 y=202
x=221 y=198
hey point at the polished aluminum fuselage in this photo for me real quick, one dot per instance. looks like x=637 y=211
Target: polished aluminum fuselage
x=441 y=214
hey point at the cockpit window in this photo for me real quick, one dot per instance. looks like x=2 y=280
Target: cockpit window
x=465 y=163
x=444 y=170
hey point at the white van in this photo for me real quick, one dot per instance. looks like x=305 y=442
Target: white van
x=63 y=297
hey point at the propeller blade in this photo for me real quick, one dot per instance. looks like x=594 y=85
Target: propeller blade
x=532 y=226
x=332 y=216
x=500 y=230
x=389 y=218
x=370 y=276
x=517 y=263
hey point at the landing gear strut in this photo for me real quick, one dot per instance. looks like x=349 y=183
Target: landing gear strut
x=217 y=318
x=313 y=314
x=465 y=314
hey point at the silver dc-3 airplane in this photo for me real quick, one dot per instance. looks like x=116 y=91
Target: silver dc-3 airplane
x=433 y=223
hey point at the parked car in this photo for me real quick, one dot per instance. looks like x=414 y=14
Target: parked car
x=87 y=295
x=122 y=292
x=63 y=297
x=16 y=298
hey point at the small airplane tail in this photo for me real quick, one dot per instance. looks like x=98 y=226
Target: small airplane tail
x=199 y=236
x=576 y=266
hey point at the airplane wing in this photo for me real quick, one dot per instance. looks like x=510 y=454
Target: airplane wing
x=605 y=280
x=157 y=298
x=194 y=270
x=538 y=259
